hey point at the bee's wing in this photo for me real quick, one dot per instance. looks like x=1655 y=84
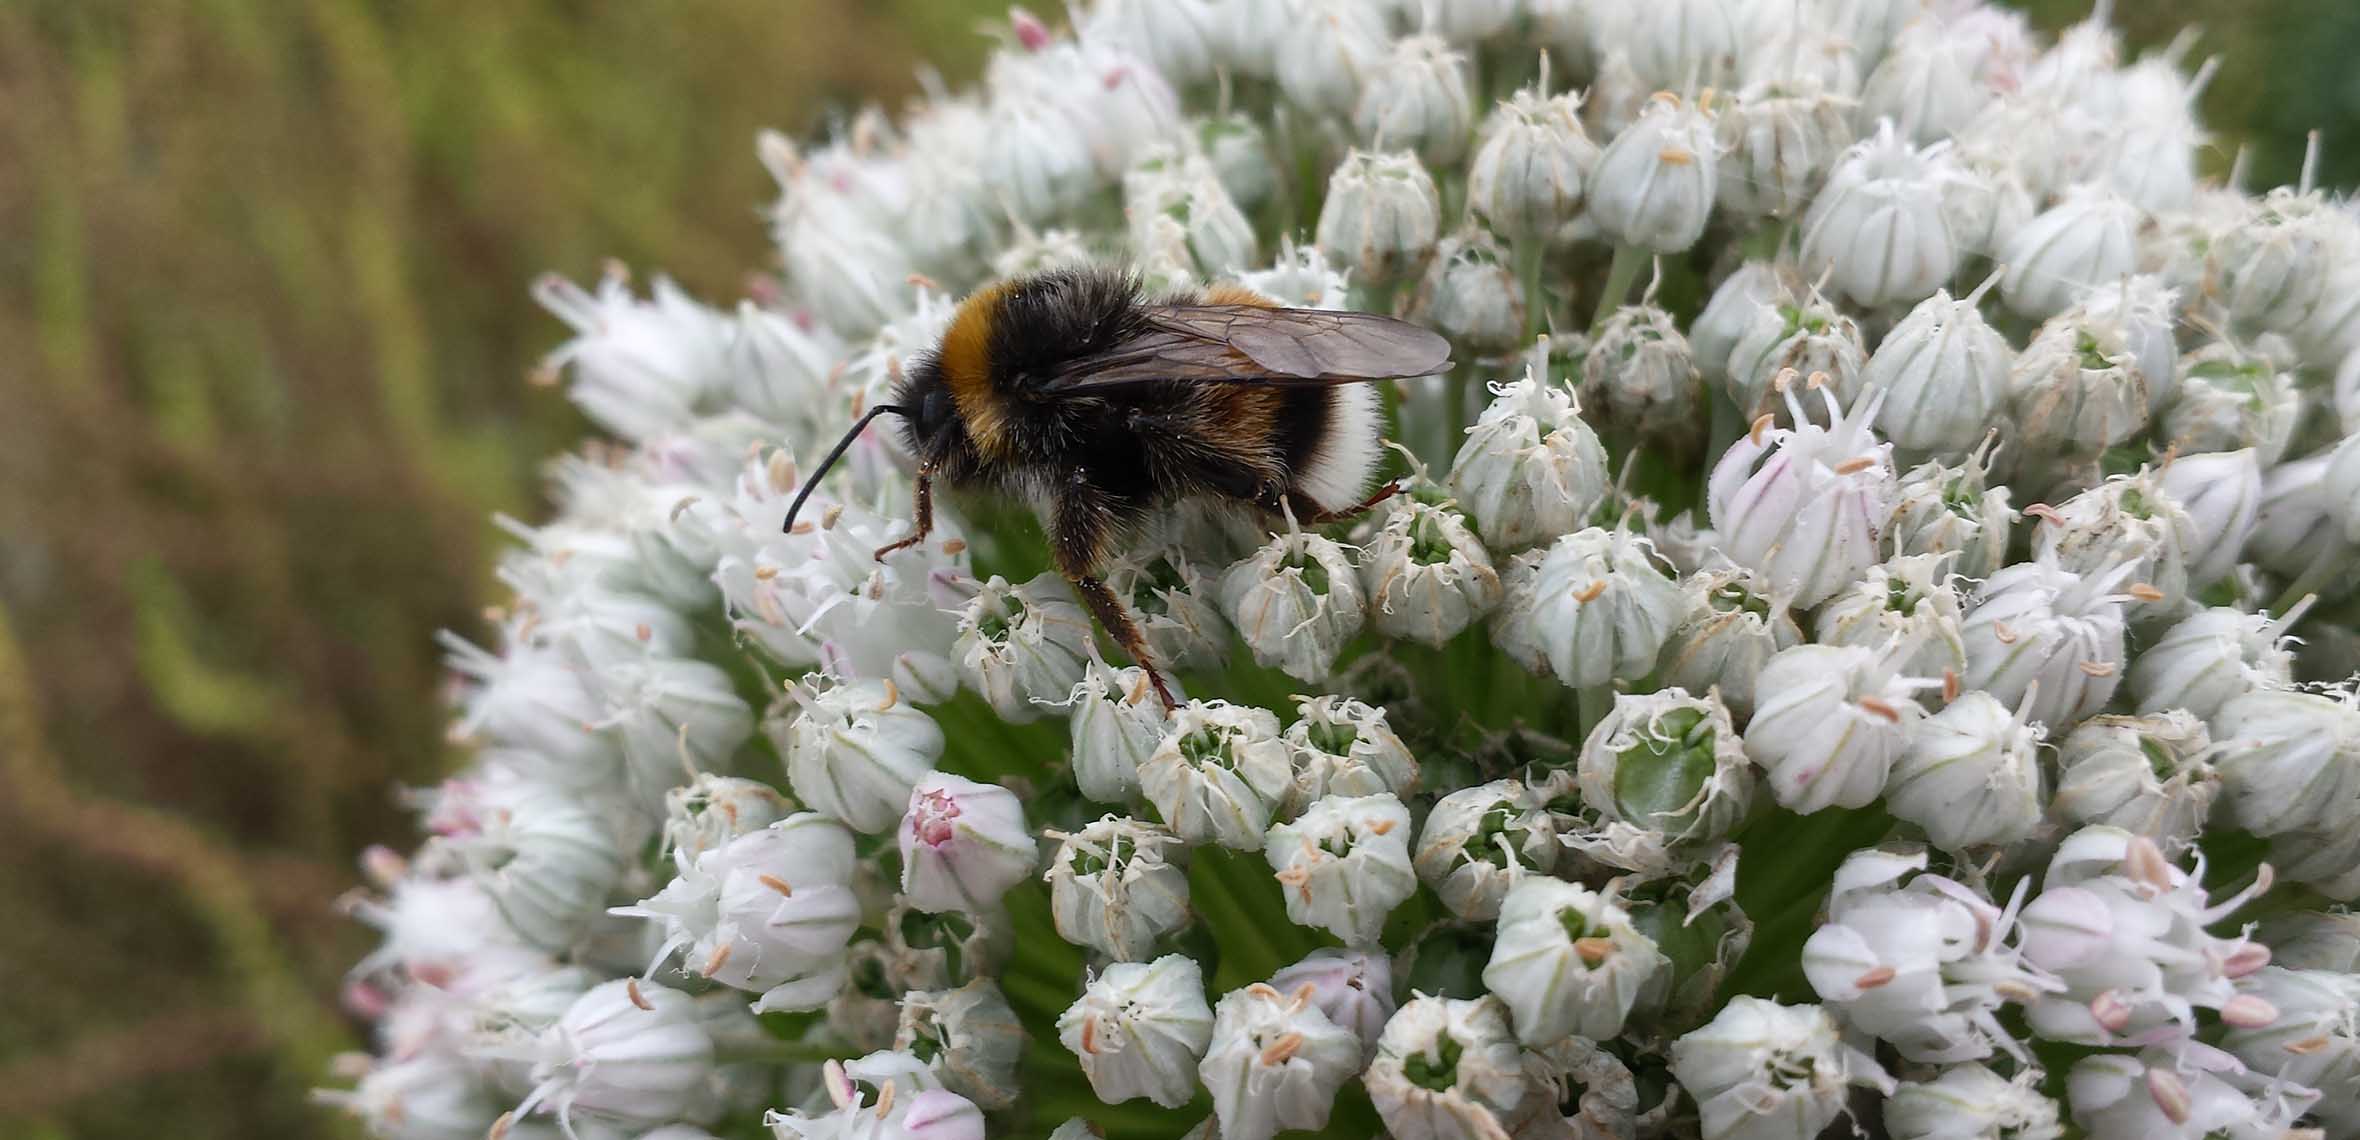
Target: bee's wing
x=1249 y=344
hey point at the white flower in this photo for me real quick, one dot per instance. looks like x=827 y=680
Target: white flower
x=1682 y=43
x=778 y=369
x=1531 y=469
x=1567 y=960
x=1929 y=84
x=2314 y=1040
x=532 y=700
x=1179 y=38
x=1343 y=865
x=1478 y=842
x=1971 y=775
x=1670 y=763
x=1594 y=608
x=1532 y=162
x=1446 y=1070
x=1735 y=306
x=963 y=844
x=2157 y=1096
x=968 y=1036
x=842 y=263
x=1116 y=723
x=1801 y=506
x=1174 y=601
x=1024 y=646
x=2211 y=657
x=641 y=368
x=1184 y=189
x=1140 y=1029
x=1731 y=631
x=2275 y=263
x=1416 y=98
x=770 y=912
x=1470 y=292
x=1426 y=575
x=1764 y=1071
x=1295 y=602
x=905 y=1108
x=1219 y=775
x=1809 y=340
x=1944 y=374
x=1950 y=510
x=1117 y=886
x=1911 y=600
x=2128 y=520
x=546 y=858
x=2147 y=311
x=1877 y=228
x=672 y=714
x=1970 y=1102
x=711 y=810
x=2222 y=495
x=1381 y=215
x=2036 y=626
x=2289 y=761
x=626 y=1051
x=1326 y=52
x=1344 y=747
x=1924 y=965
x=2228 y=398
x=1653 y=185
x=854 y=750
x=1830 y=723
x=1275 y=1063
x=1354 y=988
x=2088 y=238
x=2147 y=775
x=430 y=1096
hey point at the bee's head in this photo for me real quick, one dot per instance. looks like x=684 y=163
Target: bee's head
x=928 y=412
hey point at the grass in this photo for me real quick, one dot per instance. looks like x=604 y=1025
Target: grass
x=262 y=271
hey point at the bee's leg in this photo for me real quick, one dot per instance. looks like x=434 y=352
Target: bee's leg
x=924 y=511
x=1084 y=521
x=1309 y=514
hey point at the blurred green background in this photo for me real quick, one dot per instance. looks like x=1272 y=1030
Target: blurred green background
x=262 y=273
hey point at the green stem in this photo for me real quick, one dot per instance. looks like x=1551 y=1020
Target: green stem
x=1628 y=260
x=1531 y=256
x=1596 y=702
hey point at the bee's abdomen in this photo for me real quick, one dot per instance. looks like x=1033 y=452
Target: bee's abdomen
x=1329 y=439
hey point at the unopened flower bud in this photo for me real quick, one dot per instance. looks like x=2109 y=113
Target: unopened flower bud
x=1778 y=141
x=2147 y=775
x=1595 y=607
x=1801 y=506
x=1219 y=775
x=1988 y=202
x=627 y=1050
x=1829 y=723
x=2210 y=658
x=1327 y=51
x=429 y=1096
x=1682 y=43
x=2230 y=398
x=1446 y=1070
x=1023 y=645
x=1118 y=885
x=1944 y=375
x=2275 y=264
x=1295 y=602
x=1478 y=842
x=2222 y=494
x=1275 y=1063
x=854 y=750
x=1344 y=747
x=1115 y=722
x=1416 y=98
x=769 y=912
x=1929 y=83
x=2089 y=237
x=963 y=844
x=711 y=810
x=2148 y=312
x=1910 y=600
x=1428 y=578
x=1354 y=988
x=1653 y=186
x=1532 y=163
x=1733 y=308
x=1470 y=292
x=968 y=1036
x=1640 y=376
x=1764 y=1071
x=1971 y=775
x=1877 y=227
x=1381 y=215
x=1343 y=865
x=639 y=367
x=2289 y=761
x=1732 y=629
x=2036 y=624
x=1567 y=961
x=1531 y=469
x=1950 y=510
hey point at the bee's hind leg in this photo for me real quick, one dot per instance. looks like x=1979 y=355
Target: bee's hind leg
x=924 y=510
x=1084 y=521
x=1309 y=514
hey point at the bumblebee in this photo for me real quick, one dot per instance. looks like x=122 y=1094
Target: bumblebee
x=1073 y=387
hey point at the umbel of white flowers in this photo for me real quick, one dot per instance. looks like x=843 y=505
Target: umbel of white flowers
x=1882 y=544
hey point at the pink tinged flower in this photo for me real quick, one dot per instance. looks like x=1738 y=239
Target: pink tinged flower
x=963 y=844
x=1803 y=507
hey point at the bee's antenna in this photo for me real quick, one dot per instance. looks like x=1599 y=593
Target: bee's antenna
x=835 y=454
